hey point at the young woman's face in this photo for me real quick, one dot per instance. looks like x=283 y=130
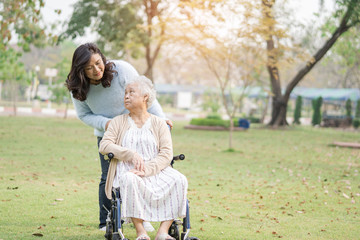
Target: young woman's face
x=133 y=97
x=94 y=69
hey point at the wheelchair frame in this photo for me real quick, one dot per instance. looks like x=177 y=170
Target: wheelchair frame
x=114 y=223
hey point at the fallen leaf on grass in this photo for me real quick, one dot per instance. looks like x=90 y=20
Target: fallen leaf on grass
x=38 y=234
x=346 y=196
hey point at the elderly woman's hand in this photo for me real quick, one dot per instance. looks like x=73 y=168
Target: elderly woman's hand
x=137 y=172
x=138 y=163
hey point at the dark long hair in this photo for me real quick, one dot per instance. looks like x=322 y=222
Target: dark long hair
x=77 y=82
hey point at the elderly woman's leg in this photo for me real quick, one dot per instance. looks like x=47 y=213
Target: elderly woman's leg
x=140 y=230
x=162 y=233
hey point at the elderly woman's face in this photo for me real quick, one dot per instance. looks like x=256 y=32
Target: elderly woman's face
x=133 y=97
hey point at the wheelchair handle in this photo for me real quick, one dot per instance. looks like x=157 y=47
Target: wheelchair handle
x=110 y=156
x=179 y=157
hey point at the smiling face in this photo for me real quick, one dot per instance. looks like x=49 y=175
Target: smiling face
x=134 y=99
x=94 y=69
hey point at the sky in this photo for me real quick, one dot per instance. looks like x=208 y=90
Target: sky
x=304 y=11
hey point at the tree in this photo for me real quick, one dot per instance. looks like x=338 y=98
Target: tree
x=345 y=55
x=136 y=27
x=233 y=61
x=19 y=27
x=349 y=14
x=13 y=70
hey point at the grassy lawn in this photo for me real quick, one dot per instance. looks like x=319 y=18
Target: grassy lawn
x=278 y=184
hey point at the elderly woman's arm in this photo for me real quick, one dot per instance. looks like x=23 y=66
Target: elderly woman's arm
x=109 y=144
x=163 y=159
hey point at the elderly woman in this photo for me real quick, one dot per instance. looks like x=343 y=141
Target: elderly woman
x=151 y=190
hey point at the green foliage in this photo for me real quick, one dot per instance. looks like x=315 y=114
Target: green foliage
x=211 y=101
x=316 y=104
x=165 y=99
x=356 y=123
x=59 y=91
x=357 y=111
x=19 y=19
x=214 y=116
x=348 y=108
x=120 y=25
x=297 y=112
x=11 y=68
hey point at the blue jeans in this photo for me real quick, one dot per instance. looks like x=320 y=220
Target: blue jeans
x=103 y=200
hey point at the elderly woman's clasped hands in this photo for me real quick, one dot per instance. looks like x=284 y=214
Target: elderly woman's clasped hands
x=139 y=165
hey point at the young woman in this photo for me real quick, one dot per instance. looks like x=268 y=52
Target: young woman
x=97 y=91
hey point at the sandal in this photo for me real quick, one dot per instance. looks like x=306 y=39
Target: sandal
x=143 y=237
x=164 y=236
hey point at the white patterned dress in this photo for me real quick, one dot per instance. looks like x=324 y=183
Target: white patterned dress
x=156 y=198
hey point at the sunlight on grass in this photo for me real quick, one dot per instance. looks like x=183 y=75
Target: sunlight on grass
x=274 y=183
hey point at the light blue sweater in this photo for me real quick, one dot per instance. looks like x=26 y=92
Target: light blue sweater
x=103 y=104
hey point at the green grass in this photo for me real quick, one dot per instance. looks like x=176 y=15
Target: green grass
x=274 y=184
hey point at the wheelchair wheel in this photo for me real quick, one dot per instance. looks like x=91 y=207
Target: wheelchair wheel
x=109 y=231
x=174 y=231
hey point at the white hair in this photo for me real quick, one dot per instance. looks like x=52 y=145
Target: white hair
x=146 y=87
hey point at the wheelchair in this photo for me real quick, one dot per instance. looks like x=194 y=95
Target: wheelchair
x=114 y=223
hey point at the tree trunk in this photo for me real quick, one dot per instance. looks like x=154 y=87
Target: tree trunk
x=231 y=129
x=264 y=112
x=278 y=114
x=14 y=96
x=66 y=109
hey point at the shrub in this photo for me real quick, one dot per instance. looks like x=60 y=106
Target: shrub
x=357 y=111
x=316 y=104
x=356 y=123
x=348 y=108
x=297 y=112
x=209 y=122
x=253 y=119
